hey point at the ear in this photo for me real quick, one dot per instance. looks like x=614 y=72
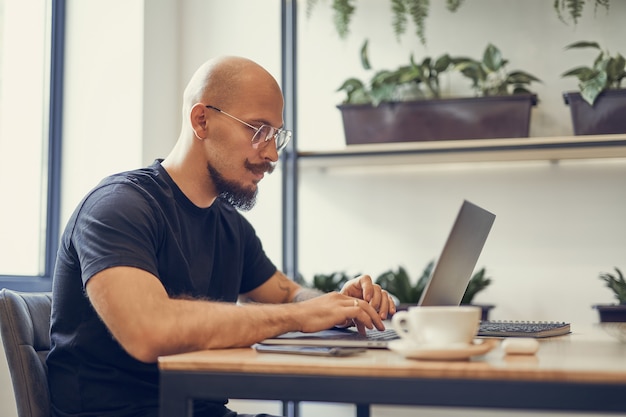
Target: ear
x=198 y=121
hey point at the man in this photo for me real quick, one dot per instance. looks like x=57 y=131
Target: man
x=152 y=261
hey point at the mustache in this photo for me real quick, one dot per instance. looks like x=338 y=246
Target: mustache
x=260 y=168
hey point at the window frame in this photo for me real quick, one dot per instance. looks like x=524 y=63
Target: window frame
x=43 y=282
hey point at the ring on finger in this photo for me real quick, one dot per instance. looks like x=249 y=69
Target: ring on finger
x=356 y=302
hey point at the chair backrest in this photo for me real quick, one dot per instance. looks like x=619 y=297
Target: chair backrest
x=25 y=330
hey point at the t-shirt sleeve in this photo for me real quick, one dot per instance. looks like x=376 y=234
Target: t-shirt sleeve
x=115 y=226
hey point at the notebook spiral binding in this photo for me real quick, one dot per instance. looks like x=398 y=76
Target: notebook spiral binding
x=516 y=328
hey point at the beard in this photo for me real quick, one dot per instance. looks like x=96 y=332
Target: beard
x=243 y=198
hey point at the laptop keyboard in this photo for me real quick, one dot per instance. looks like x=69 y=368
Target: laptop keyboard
x=382 y=336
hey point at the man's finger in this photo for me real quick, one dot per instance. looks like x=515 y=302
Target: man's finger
x=367 y=287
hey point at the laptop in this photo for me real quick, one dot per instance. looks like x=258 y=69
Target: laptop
x=446 y=286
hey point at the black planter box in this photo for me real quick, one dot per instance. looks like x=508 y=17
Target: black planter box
x=439 y=119
x=606 y=117
x=612 y=313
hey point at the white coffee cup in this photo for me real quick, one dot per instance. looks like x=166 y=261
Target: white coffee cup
x=437 y=326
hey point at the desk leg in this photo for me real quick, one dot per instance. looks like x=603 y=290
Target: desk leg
x=174 y=401
x=291 y=408
x=362 y=410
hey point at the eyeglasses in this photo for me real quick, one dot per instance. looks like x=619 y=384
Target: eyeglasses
x=263 y=133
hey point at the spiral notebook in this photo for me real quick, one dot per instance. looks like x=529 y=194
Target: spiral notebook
x=537 y=329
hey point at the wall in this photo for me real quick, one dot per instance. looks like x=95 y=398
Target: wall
x=528 y=33
x=558 y=226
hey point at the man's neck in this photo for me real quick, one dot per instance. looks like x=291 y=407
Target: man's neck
x=190 y=175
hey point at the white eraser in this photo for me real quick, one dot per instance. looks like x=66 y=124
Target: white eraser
x=520 y=346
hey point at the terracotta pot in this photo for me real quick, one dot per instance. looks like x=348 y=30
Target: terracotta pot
x=606 y=117
x=438 y=119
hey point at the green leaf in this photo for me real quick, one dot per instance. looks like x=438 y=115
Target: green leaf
x=477 y=283
x=443 y=63
x=343 y=14
x=418 y=9
x=492 y=58
x=330 y=282
x=615 y=70
x=365 y=62
x=410 y=74
x=583 y=44
x=617 y=284
x=358 y=97
x=399 y=17
x=351 y=84
x=518 y=89
x=453 y=5
x=520 y=77
x=355 y=91
x=384 y=92
x=582 y=73
x=573 y=7
x=310 y=5
x=382 y=77
x=399 y=284
x=590 y=89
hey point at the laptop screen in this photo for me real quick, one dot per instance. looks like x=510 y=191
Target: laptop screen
x=458 y=258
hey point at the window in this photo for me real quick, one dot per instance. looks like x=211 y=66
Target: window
x=31 y=57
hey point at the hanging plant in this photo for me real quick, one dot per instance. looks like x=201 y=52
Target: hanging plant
x=572 y=10
x=402 y=11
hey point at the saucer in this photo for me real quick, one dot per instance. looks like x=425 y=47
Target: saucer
x=453 y=352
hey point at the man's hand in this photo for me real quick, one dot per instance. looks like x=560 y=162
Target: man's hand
x=361 y=303
x=334 y=309
x=362 y=287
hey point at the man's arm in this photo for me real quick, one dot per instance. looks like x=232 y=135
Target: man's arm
x=148 y=323
x=280 y=289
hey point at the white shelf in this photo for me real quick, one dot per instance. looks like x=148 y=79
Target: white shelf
x=471 y=150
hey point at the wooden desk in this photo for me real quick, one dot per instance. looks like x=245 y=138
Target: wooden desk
x=583 y=371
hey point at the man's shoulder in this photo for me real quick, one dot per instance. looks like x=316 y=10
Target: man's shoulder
x=135 y=190
x=140 y=176
x=142 y=180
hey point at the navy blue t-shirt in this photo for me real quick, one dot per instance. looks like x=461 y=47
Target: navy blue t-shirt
x=139 y=219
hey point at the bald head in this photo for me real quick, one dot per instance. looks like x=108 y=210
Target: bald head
x=224 y=80
x=214 y=154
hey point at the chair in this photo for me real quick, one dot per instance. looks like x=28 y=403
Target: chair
x=25 y=330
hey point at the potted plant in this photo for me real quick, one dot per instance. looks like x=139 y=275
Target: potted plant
x=330 y=282
x=617 y=284
x=599 y=106
x=405 y=104
x=399 y=284
x=490 y=77
x=477 y=283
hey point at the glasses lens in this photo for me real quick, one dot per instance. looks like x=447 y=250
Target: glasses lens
x=263 y=134
x=282 y=139
x=267 y=133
